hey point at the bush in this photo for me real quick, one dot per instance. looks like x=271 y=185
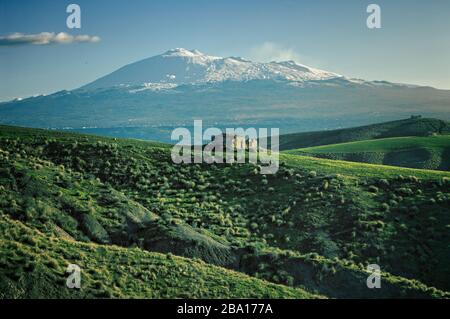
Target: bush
x=405 y=191
x=383 y=183
x=413 y=179
x=373 y=189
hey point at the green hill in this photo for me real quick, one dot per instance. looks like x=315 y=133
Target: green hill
x=33 y=265
x=414 y=152
x=124 y=212
x=414 y=126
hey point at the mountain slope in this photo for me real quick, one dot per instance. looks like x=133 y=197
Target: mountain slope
x=414 y=126
x=323 y=222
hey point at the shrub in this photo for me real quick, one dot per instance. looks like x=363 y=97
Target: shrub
x=312 y=174
x=393 y=202
x=413 y=179
x=405 y=191
x=373 y=189
x=383 y=183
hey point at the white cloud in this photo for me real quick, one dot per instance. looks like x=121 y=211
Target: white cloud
x=45 y=38
x=269 y=51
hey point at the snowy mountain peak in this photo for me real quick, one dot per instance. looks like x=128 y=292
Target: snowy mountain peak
x=183 y=66
x=182 y=52
x=193 y=56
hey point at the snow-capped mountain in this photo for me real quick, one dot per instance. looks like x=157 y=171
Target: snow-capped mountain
x=146 y=99
x=181 y=66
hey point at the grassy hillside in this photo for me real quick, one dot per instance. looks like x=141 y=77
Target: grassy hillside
x=33 y=265
x=408 y=127
x=311 y=228
x=416 y=152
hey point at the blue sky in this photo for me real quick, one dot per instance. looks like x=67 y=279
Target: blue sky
x=413 y=45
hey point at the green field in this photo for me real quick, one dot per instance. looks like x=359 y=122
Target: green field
x=415 y=126
x=140 y=226
x=416 y=152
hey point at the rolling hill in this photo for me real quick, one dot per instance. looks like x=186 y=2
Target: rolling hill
x=414 y=126
x=414 y=152
x=309 y=231
x=33 y=265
